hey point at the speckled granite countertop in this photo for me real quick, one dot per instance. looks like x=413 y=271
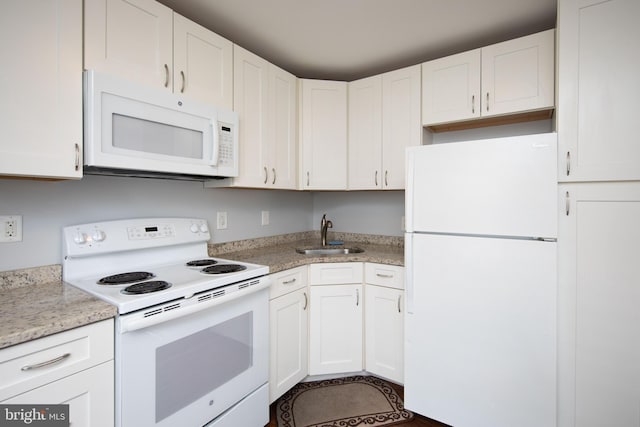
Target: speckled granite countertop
x=36 y=303
x=281 y=255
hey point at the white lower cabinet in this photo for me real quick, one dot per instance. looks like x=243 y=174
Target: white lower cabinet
x=288 y=330
x=598 y=300
x=74 y=367
x=384 y=321
x=335 y=330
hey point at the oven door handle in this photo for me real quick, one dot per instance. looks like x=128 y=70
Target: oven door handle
x=137 y=320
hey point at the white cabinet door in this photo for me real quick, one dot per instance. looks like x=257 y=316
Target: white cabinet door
x=401 y=127
x=130 y=38
x=203 y=64
x=89 y=394
x=41 y=85
x=365 y=133
x=251 y=104
x=282 y=124
x=598 y=300
x=451 y=88
x=335 y=329
x=289 y=341
x=384 y=332
x=518 y=75
x=598 y=90
x=323 y=135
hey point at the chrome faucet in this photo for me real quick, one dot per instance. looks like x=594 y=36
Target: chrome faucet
x=324 y=225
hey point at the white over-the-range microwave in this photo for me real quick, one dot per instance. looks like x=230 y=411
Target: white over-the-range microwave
x=134 y=130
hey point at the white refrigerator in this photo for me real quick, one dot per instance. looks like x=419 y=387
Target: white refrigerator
x=480 y=257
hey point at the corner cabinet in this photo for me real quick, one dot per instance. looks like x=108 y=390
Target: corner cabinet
x=598 y=300
x=289 y=339
x=146 y=42
x=384 y=321
x=514 y=76
x=384 y=119
x=74 y=367
x=336 y=309
x=265 y=98
x=323 y=135
x=41 y=85
x=598 y=90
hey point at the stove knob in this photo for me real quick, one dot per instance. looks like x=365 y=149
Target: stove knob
x=80 y=238
x=194 y=228
x=98 y=236
x=204 y=228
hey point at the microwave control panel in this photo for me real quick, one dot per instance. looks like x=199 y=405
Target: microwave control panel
x=225 y=130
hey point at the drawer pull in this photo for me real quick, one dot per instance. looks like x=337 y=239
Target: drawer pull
x=306 y=301
x=47 y=363
x=288 y=282
x=385 y=276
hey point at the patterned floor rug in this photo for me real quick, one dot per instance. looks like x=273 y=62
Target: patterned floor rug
x=351 y=401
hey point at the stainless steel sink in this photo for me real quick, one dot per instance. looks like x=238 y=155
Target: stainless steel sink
x=329 y=251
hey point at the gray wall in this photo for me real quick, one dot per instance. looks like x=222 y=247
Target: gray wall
x=46 y=207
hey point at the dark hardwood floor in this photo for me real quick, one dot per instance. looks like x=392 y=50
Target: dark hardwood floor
x=418 y=420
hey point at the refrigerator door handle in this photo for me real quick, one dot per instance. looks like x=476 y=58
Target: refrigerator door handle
x=408 y=276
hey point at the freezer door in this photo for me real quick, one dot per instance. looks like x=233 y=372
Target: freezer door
x=480 y=346
x=504 y=186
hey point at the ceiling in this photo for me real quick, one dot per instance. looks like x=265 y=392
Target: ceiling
x=350 y=39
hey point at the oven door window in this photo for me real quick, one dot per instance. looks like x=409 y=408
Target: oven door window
x=185 y=368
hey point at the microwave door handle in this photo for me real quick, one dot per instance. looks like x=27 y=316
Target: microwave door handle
x=215 y=149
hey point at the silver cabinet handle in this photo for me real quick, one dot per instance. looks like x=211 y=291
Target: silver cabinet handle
x=266 y=175
x=473 y=104
x=47 y=363
x=307 y=178
x=357 y=297
x=376 y=178
x=399 y=298
x=288 y=282
x=274 y=175
x=77 y=166
x=166 y=75
x=568 y=163
x=386 y=178
x=184 y=81
x=487 y=101
x=567 y=202
x=386 y=276
x=305 y=301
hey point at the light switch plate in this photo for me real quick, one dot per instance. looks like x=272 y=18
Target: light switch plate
x=265 y=217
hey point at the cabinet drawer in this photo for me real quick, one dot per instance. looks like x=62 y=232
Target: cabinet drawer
x=335 y=273
x=287 y=281
x=391 y=276
x=26 y=366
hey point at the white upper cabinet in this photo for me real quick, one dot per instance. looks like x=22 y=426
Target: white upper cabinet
x=202 y=63
x=451 y=88
x=511 y=77
x=265 y=98
x=323 y=135
x=41 y=85
x=145 y=41
x=365 y=133
x=599 y=89
x=384 y=119
x=400 y=123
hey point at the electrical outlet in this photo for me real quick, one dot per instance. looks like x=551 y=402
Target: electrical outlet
x=221 y=223
x=11 y=228
x=265 y=217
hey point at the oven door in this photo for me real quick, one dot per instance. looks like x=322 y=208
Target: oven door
x=187 y=371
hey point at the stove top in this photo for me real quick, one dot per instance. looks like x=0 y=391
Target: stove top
x=136 y=264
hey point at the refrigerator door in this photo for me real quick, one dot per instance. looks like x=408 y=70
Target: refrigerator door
x=480 y=330
x=503 y=187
